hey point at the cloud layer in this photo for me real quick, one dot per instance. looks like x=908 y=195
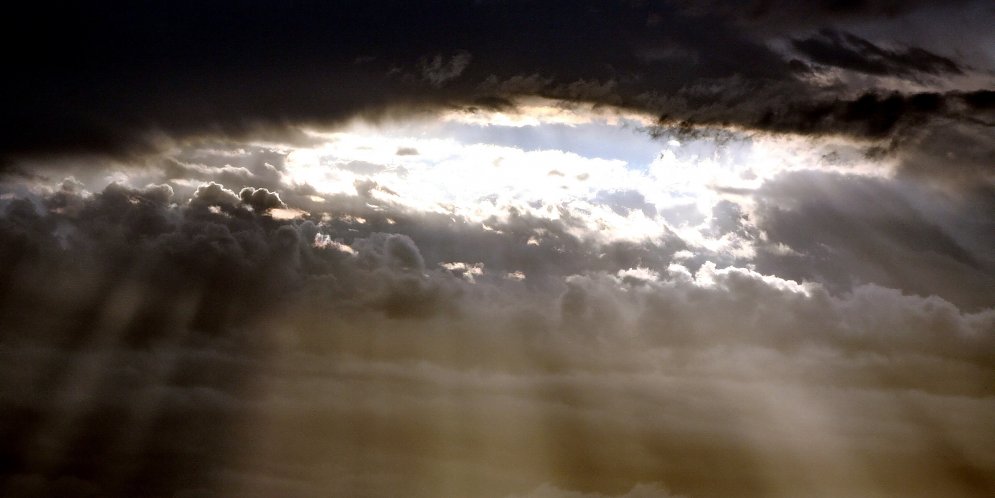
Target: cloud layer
x=144 y=77
x=156 y=344
x=498 y=248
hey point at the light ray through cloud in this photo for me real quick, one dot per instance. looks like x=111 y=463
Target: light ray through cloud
x=559 y=249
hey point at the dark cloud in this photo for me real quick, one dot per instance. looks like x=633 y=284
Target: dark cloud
x=980 y=100
x=847 y=51
x=122 y=78
x=260 y=199
x=782 y=13
x=849 y=230
x=870 y=115
x=214 y=194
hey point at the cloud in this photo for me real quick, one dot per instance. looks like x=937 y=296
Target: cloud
x=260 y=200
x=225 y=352
x=214 y=194
x=848 y=51
x=624 y=249
x=144 y=85
x=845 y=230
x=639 y=491
x=438 y=69
x=779 y=13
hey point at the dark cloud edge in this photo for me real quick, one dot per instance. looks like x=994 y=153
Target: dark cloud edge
x=127 y=81
x=877 y=116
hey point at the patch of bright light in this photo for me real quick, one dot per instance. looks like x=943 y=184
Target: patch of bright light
x=476 y=171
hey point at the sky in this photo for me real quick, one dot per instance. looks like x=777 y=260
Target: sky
x=498 y=248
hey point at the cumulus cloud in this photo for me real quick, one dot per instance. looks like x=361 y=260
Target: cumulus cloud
x=260 y=200
x=240 y=354
x=214 y=194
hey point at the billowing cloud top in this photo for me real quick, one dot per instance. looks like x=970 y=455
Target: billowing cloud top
x=499 y=249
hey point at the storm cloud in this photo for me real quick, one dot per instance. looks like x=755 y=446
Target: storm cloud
x=145 y=77
x=498 y=248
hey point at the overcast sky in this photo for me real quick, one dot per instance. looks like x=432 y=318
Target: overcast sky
x=498 y=248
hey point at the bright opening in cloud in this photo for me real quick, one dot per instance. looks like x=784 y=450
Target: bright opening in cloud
x=627 y=182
